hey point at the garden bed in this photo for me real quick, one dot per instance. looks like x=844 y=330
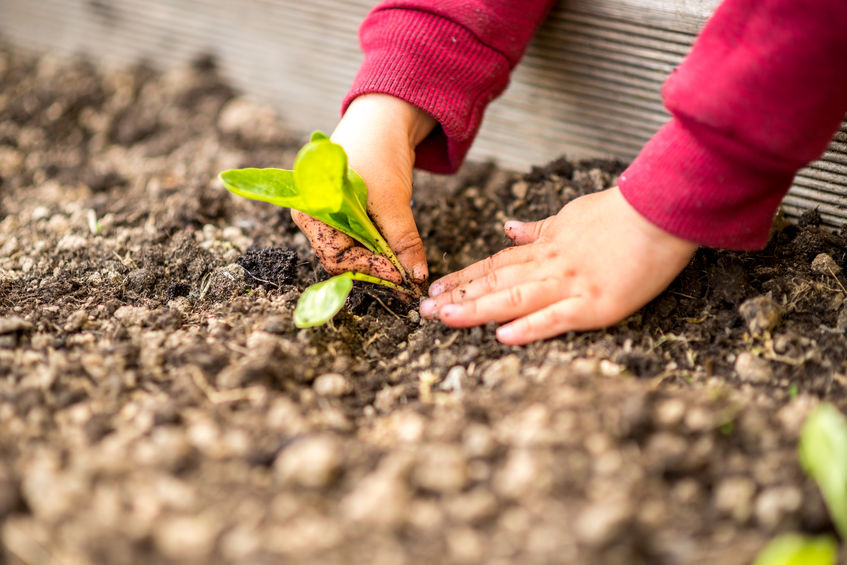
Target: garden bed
x=158 y=405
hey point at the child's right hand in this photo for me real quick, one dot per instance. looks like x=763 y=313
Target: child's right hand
x=379 y=134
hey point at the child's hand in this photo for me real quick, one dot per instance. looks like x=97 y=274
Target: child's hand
x=379 y=134
x=591 y=265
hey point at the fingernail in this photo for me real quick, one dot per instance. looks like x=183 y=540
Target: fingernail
x=435 y=289
x=419 y=273
x=428 y=308
x=512 y=225
x=506 y=332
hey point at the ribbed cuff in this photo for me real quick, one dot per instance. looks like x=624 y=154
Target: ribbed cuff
x=438 y=66
x=680 y=183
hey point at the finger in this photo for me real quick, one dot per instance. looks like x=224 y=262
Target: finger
x=573 y=313
x=522 y=233
x=339 y=253
x=506 y=257
x=398 y=226
x=500 y=279
x=508 y=304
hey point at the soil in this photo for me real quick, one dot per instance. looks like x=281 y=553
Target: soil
x=157 y=404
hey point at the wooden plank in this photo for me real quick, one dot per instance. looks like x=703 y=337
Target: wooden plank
x=589 y=85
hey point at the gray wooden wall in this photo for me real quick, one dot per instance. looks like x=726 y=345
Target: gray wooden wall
x=589 y=85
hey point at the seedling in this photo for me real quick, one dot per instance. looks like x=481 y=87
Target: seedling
x=323 y=186
x=823 y=454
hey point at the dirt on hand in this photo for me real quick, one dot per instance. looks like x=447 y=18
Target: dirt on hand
x=157 y=404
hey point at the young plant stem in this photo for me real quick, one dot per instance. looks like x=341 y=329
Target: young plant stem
x=376 y=280
x=382 y=246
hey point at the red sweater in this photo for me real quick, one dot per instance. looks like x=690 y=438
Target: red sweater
x=759 y=96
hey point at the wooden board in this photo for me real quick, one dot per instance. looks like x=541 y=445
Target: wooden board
x=588 y=86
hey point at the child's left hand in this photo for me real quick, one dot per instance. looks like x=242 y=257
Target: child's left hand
x=589 y=266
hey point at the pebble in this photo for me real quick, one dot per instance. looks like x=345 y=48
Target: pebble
x=761 y=313
x=666 y=451
x=774 y=504
x=669 y=412
x=753 y=369
x=453 y=381
x=132 y=315
x=71 y=242
x=381 y=499
x=472 y=507
x=824 y=264
x=312 y=462
x=525 y=472
x=465 y=545
x=185 y=537
x=441 y=468
x=501 y=369
x=14 y=324
x=733 y=497
x=332 y=384
x=600 y=523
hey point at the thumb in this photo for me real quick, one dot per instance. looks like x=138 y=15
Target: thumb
x=522 y=233
x=401 y=233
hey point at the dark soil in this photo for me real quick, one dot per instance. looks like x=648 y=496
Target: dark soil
x=157 y=404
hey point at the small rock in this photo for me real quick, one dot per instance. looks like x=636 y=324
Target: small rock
x=525 y=472
x=71 y=242
x=381 y=498
x=601 y=522
x=140 y=280
x=465 y=545
x=76 y=321
x=841 y=321
x=332 y=384
x=278 y=325
x=824 y=264
x=666 y=451
x=441 y=468
x=453 y=381
x=734 y=497
x=669 y=412
x=473 y=507
x=185 y=537
x=311 y=462
x=761 y=313
x=774 y=504
x=501 y=369
x=478 y=441
x=14 y=325
x=519 y=189
x=753 y=369
x=132 y=315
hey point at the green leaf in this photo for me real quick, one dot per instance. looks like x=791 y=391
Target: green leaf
x=823 y=453
x=794 y=549
x=319 y=173
x=321 y=301
x=270 y=185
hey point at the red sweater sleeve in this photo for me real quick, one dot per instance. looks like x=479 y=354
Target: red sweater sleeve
x=758 y=97
x=448 y=57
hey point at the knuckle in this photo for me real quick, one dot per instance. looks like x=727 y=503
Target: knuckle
x=515 y=297
x=491 y=281
x=409 y=242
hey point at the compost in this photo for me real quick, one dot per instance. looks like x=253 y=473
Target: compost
x=157 y=404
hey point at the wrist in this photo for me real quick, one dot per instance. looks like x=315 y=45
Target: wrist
x=388 y=114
